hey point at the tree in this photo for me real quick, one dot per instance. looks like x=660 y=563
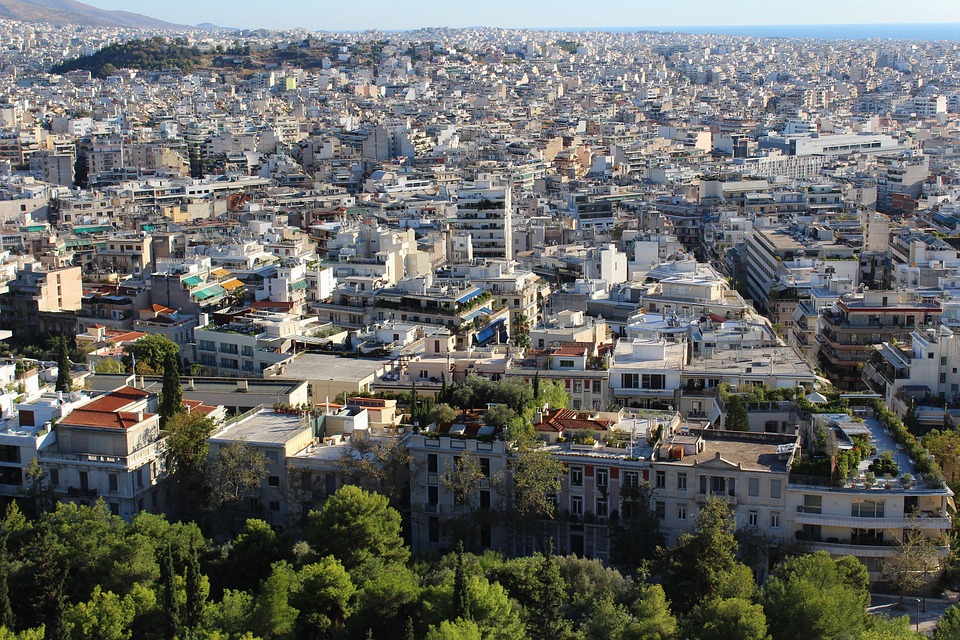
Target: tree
x=168 y=592
x=188 y=464
x=64 y=381
x=38 y=494
x=636 y=536
x=456 y=630
x=272 y=613
x=324 y=596
x=461 y=597
x=359 y=529
x=150 y=353
x=381 y=465
x=237 y=474
x=814 y=597
x=652 y=617
x=536 y=479
x=544 y=617
x=553 y=394
x=907 y=569
x=196 y=596
x=737 y=417
x=6 y=610
x=104 y=617
x=945 y=447
x=727 y=619
x=171 y=394
x=948 y=627
x=443 y=414
x=388 y=597
x=462 y=479
x=703 y=565
x=498 y=416
x=109 y=365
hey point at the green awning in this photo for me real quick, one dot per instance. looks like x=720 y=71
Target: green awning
x=208 y=293
x=193 y=281
x=84 y=230
x=299 y=285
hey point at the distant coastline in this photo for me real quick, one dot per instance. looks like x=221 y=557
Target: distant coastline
x=943 y=31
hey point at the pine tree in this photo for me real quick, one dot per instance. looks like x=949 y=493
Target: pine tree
x=170 y=606
x=461 y=597
x=410 y=634
x=171 y=395
x=536 y=389
x=195 y=596
x=64 y=382
x=545 y=619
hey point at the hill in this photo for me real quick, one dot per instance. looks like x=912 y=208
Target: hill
x=70 y=12
x=147 y=55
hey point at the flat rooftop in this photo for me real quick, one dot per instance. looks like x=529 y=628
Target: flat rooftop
x=318 y=366
x=264 y=427
x=751 y=452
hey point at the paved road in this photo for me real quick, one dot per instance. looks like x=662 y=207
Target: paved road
x=881 y=603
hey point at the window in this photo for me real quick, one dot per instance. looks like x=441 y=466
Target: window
x=774 y=519
x=867 y=508
x=597 y=388
x=753 y=487
x=273 y=481
x=433 y=529
x=433 y=496
x=576 y=505
x=112 y=482
x=55 y=477
x=775 y=489
x=431 y=463
x=577 y=386
x=602 y=476
x=653 y=381
x=630 y=380
x=812 y=504
x=485 y=467
x=272 y=457
x=681 y=482
x=115 y=508
x=681 y=512
x=660 y=509
x=565 y=363
x=576 y=476
x=661 y=479
x=631 y=479
x=601 y=508
x=752 y=518
x=274 y=505
x=485 y=500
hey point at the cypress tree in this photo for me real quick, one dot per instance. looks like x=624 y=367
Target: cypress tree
x=171 y=395
x=171 y=608
x=195 y=597
x=64 y=382
x=461 y=597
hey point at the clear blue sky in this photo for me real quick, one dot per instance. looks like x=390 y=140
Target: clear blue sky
x=409 y=14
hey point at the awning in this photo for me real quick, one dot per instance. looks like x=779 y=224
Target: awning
x=208 y=293
x=220 y=272
x=230 y=285
x=299 y=285
x=490 y=332
x=193 y=281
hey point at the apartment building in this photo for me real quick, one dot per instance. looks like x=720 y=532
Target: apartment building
x=485 y=212
x=849 y=329
x=112 y=448
x=42 y=301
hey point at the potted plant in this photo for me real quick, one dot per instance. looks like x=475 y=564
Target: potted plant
x=870 y=478
x=887 y=480
x=907 y=480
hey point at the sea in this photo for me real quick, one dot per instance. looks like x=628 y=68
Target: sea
x=931 y=31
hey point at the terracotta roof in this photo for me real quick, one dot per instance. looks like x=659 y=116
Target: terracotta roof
x=104 y=419
x=559 y=420
x=157 y=308
x=570 y=351
x=116 y=400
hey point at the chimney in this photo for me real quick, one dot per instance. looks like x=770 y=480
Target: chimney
x=241 y=385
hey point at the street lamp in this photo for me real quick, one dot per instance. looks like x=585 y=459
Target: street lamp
x=917 y=600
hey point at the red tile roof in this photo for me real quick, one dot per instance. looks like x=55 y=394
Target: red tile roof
x=559 y=420
x=570 y=351
x=104 y=419
x=116 y=400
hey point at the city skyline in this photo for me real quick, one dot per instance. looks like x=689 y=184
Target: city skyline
x=564 y=14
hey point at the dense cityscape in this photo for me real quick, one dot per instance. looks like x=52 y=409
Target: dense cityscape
x=477 y=333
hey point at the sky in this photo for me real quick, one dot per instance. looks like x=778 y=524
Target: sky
x=340 y=15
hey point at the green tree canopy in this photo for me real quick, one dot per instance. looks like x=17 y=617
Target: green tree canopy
x=150 y=352
x=726 y=619
x=359 y=529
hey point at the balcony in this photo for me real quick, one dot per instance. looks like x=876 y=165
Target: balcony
x=79 y=492
x=857 y=522
x=729 y=498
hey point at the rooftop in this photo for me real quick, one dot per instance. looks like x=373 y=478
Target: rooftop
x=262 y=426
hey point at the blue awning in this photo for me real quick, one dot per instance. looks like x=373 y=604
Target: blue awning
x=490 y=332
x=469 y=295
